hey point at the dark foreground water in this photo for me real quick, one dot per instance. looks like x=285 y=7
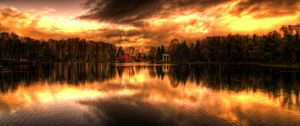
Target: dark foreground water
x=81 y=94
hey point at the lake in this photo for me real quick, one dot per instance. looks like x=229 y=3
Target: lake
x=91 y=94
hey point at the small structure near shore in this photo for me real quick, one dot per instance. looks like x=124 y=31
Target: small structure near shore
x=166 y=58
x=166 y=68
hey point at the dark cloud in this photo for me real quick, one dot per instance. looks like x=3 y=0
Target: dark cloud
x=196 y=3
x=120 y=10
x=113 y=33
x=130 y=11
x=10 y=13
x=267 y=8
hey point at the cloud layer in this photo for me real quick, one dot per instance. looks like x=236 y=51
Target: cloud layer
x=146 y=23
x=131 y=11
x=161 y=20
x=268 y=8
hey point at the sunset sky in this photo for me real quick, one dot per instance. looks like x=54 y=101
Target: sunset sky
x=144 y=23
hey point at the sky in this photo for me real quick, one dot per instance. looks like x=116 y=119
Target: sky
x=144 y=23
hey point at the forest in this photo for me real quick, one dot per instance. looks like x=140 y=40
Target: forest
x=281 y=46
x=73 y=49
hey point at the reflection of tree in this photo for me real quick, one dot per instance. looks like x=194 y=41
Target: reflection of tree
x=278 y=82
x=120 y=70
x=275 y=81
x=72 y=73
x=10 y=80
x=159 y=72
x=179 y=74
x=75 y=73
x=152 y=72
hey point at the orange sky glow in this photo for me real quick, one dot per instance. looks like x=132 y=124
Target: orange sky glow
x=144 y=23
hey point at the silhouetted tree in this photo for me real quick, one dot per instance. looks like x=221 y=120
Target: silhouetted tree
x=120 y=53
x=158 y=54
x=14 y=47
x=274 y=47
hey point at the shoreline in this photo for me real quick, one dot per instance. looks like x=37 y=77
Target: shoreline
x=279 y=65
x=274 y=65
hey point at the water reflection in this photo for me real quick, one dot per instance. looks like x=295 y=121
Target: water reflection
x=136 y=94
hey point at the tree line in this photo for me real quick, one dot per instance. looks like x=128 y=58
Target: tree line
x=275 y=47
x=73 y=49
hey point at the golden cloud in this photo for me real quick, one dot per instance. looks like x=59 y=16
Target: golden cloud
x=148 y=23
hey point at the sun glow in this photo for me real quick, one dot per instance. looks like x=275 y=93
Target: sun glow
x=248 y=23
x=190 y=22
x=68 y=25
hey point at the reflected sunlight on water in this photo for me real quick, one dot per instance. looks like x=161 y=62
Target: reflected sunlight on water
x=135 y=88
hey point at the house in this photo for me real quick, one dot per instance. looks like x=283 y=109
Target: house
x=166 y=57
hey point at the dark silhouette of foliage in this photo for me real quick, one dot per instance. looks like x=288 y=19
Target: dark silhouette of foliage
x=73 y=49
x=159 y=54
x=275 y=81
x=274 y=47
x=120 y=53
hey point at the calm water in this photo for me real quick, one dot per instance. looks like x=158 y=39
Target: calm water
x=81 y=94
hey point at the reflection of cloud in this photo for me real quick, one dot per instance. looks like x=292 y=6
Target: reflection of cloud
x=144 y=95
x=187 y=105
x=132 y=111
